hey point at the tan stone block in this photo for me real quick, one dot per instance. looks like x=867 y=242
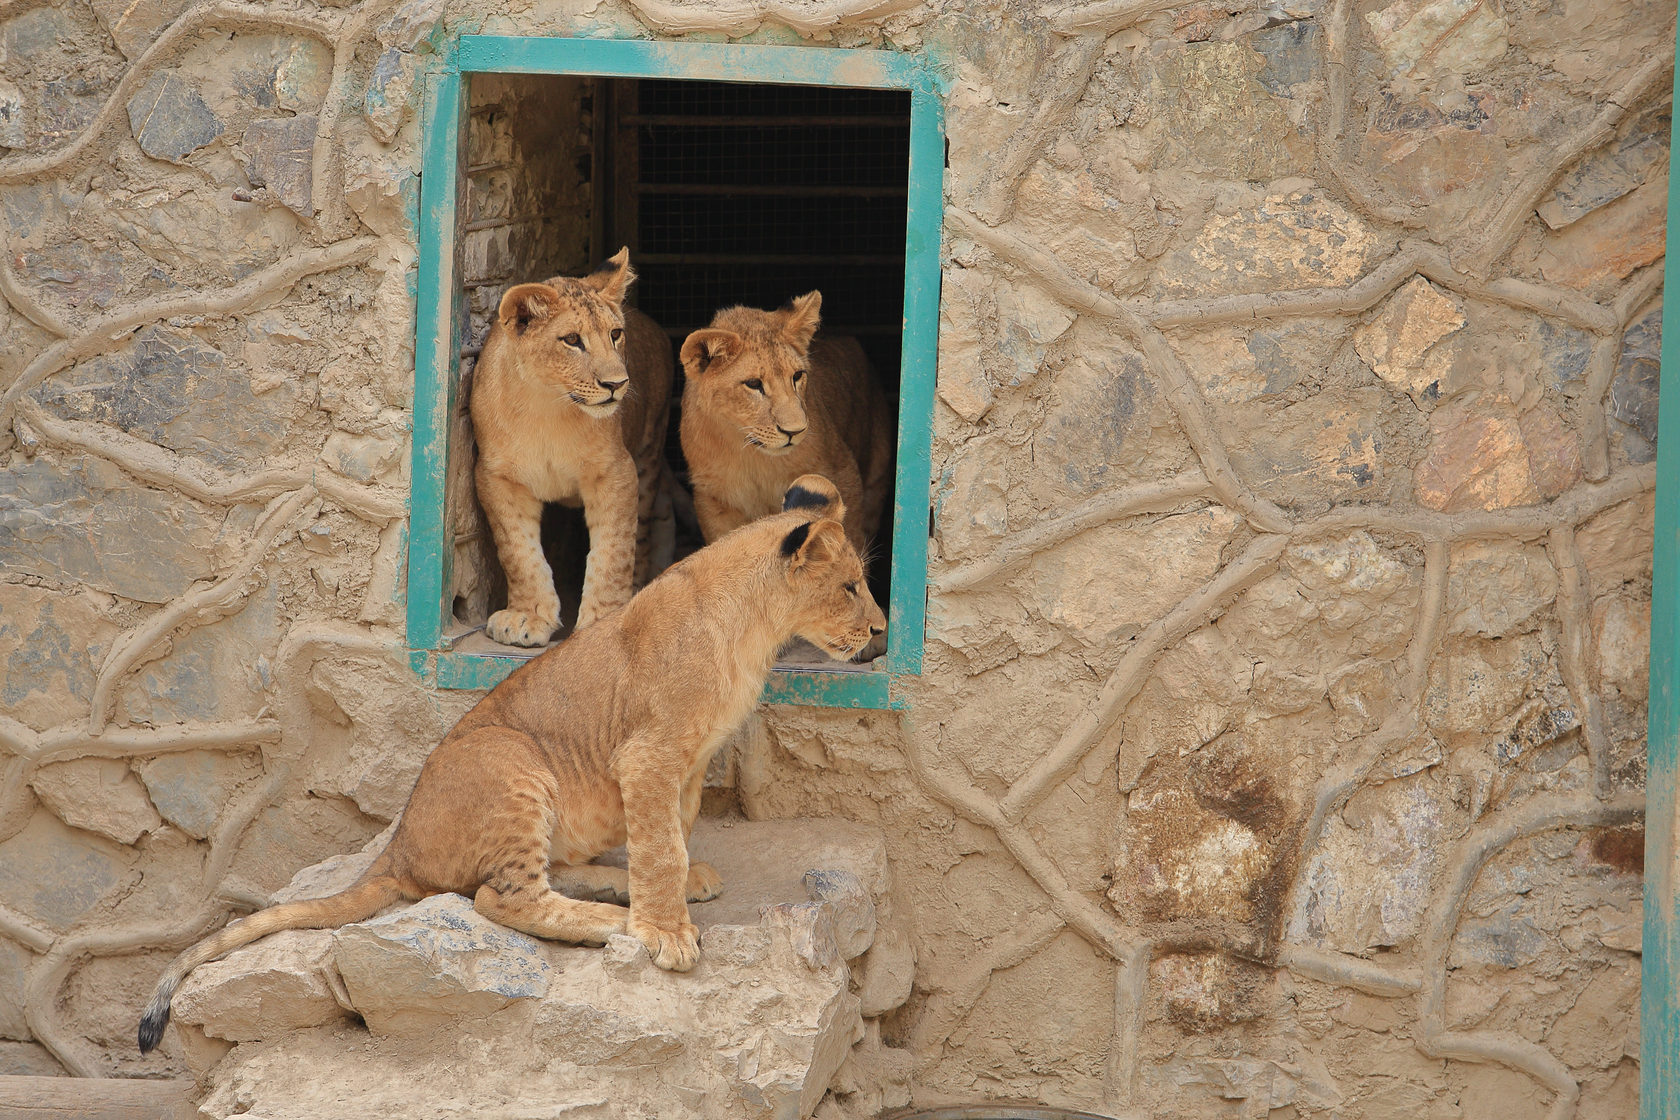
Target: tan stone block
x=1609 y=244
x=1403 y=345
x=98 y=794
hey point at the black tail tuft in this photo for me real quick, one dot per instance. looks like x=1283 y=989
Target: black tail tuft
x=152 y=1024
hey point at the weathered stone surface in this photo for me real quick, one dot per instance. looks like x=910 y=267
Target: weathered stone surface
x=133 y=24
x=1496 y=589
x=853 y=911
x=97 y=794
x=1472 y=685
x=281 y=983
x=189 y=789
x=1405 y=344
x=1484 y=454
x=1370 y=883
x=1323 y=449
x=169 y=119
x=79 y=275
x=1622 y=635
x=383 y=193
x=965 y=305
x=54 y=873
x=433 y=963
x=303 y=75
x=171 y=388
x=1610 y=243
x=1302 y=239
x=1458 y=36
x=390 y=94
x=761 y=1028
x=889 y=973
x=1191 y=862
x=1217 y=114
x=1361 y=592
x=1633 y=393
x=28 y=1059
x=14 y=132
x=1078 y=586
x=50 y=648
x=14 y=964
x=1606 y=175
x=363 y=458
x=278 y=156
x=1615 y=546
x=1100 y=428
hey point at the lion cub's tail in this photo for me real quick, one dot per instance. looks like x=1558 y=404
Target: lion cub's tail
x=365 y=898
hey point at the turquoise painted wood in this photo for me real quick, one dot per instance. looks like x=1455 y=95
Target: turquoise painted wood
x=440 y=317
x=1659 y=1017
x=436 y=360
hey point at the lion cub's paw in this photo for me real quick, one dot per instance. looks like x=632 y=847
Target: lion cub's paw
x=704 y=883
x=675 y=951
x=519 y=628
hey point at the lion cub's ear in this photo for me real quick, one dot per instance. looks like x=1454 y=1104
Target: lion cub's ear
x=613 y=277
x=707 y=348
x=525 y=305
x=817 y=494
x=801 y=318
x=812 y=542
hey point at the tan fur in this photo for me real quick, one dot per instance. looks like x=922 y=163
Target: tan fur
x=580 y=423
x=604 y=740
x=740 y=454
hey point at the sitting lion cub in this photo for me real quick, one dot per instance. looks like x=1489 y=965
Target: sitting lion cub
x=603 y=739
x=764 y=405
x=569 y=404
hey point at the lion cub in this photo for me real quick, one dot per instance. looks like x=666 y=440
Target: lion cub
x=570 y=404
x=603 y=739
x=763 y=405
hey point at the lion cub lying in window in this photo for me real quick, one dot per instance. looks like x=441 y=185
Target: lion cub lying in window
x=601 y=740
x=763 y=405
x=569 y=404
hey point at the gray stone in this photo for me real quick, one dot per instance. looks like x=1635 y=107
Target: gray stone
x=1564 y=354
x=51 y=645
x=1633 y=393
x=133 y=24
x=1291 y=53
x=67 y=106
x=190 y=788
x=1101 y=407
x=34 y=33
x=169 y=119
x=433 y=963
x=85 y=521
x=1606 y=175
x=853 y=911
x=390 y=94
x=81 y=276
x=170 y=388
x=363 y=458
x=1507 y=938
x=279 y=154
x=55 y=874
x=411 y=24
x=97 y=794
x=13 y=131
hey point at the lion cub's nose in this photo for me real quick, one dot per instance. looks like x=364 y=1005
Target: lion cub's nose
x=791 y=435
x=876 y=631
x=613 y=386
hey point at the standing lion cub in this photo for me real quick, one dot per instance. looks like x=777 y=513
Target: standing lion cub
x=763 y=405
x=569 y=405
x=601 y=740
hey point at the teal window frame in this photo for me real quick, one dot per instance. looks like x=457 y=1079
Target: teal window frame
x=439 y=320
x=1659 y=1018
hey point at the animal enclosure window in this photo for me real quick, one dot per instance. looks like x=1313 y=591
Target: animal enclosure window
x=806 y=169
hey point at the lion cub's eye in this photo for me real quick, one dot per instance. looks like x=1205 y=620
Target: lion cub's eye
x=798 y=376
x=618 y=334
x=754 y=384
x=573 y=340
x=851 y=589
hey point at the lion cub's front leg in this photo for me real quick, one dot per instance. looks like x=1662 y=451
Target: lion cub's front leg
x=650 y=784
x=515 y=516
x=609 y=508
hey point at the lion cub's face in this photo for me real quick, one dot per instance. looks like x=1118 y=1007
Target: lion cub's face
x=750 y=369
x=833 y=607
x=568 y=334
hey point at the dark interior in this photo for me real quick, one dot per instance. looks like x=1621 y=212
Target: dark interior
x=747 y=194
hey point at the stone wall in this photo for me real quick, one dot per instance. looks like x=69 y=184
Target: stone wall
x=1280 y=749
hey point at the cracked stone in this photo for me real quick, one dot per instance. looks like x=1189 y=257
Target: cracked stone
x=853 y=911
x=280 y=983
x=1403 y=344
x=54 y=873
x=1457 y=36
x=1494 y=589
x=170 y=120
x=390 y=94
x=190 y=788
x=433 y=963
x=13 y=133
x=97 y=794
x=133 y=24
x=1633 y=392
x=1487 y=455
